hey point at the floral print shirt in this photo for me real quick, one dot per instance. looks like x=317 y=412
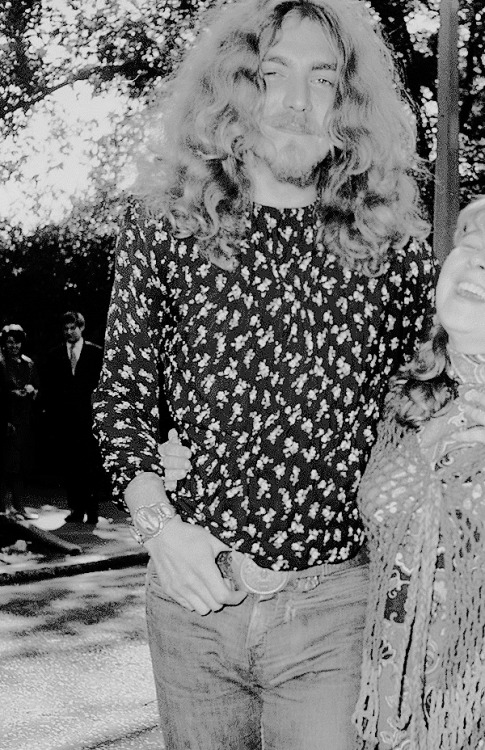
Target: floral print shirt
x=274 y=376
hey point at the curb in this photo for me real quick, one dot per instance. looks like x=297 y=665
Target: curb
x=70 y=568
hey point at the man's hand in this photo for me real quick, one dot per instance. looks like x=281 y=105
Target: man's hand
x=183 y=554
x=175 y=459
x=475 y=409
x=184 y=558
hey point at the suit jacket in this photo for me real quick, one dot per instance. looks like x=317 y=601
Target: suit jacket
x=68 y=396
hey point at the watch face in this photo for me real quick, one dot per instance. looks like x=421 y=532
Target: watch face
x=151 y=518
x=148 y=519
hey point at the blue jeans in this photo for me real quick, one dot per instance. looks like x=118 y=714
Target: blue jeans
x=277 y=673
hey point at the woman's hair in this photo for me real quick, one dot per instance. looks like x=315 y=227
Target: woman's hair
x=14 y=331
x=424 y=386
x=471 y=219
x=367 y=195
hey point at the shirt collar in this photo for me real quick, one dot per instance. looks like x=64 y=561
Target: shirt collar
x=77 y=346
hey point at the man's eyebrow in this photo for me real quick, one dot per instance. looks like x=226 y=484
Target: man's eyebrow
x=285 y=61
x=324 y=66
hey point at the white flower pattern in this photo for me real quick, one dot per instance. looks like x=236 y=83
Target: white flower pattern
x=274 y=375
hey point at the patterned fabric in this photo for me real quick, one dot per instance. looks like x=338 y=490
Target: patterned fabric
x=468 y=369
x=274 y=374
x=422 y=498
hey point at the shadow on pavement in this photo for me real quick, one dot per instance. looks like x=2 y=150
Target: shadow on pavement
x=74 y=658
x=50 y=547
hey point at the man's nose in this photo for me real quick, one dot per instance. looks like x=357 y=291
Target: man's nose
x=297 y=95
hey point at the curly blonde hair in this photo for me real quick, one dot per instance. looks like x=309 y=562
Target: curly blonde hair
x=424 y=386
x=367 y=194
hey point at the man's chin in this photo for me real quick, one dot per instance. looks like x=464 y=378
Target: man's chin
x=290 y=160
x=291 y=165
x=298 y=179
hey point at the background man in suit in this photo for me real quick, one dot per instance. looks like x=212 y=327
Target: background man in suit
x=72 y=374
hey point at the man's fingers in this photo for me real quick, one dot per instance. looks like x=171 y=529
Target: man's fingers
x=173 y=475
x=236 y=597
x=203 y=603
x=202 y=593
x=174 y=455
x=175 y=459
x=213 y=592
x=200 y=600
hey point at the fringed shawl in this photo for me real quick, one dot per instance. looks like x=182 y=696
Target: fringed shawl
x=429 y=472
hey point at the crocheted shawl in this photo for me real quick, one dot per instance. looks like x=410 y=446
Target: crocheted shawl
x=428 y=470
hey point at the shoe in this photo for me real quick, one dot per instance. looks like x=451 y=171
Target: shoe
x=28 y=515
x=21 y=515
x=74 y=518
x=92 y=520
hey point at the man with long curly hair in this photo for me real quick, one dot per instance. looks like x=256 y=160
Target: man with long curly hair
x=272 y=271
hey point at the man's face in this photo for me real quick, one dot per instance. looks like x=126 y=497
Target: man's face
x=72 y=333
x=460 y=294
x=300 y=72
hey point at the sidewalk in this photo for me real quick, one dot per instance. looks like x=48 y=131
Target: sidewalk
x=106 y=546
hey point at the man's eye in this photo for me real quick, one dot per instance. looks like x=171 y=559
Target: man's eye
x=271 y=73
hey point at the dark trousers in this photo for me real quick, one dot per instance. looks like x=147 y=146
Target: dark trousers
x=80 y=467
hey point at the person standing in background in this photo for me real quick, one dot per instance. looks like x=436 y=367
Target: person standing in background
x=71 y=375
x=19 y=387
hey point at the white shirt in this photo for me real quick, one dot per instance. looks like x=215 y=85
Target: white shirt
x=76 y=349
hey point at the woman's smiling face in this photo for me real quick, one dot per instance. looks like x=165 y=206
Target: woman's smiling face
x=460 y=294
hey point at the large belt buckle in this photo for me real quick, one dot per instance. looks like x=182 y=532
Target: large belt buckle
x=261 y=580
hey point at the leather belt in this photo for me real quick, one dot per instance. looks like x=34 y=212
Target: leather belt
x=244 y=574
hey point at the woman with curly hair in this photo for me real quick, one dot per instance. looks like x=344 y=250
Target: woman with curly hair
x=272 y=275
x=422 y=498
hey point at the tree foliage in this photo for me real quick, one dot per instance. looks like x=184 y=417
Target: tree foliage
x=125 y=49
x=50 y=44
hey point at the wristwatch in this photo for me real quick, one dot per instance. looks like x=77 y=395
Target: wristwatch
x=149 y=520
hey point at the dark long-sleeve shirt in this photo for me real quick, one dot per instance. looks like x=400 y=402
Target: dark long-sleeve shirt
x=274 y=374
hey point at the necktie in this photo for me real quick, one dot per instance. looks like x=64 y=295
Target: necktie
x=73 y=358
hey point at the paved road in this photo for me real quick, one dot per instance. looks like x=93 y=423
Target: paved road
x=74 y=665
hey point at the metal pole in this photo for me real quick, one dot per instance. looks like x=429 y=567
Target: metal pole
x=447 y=179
